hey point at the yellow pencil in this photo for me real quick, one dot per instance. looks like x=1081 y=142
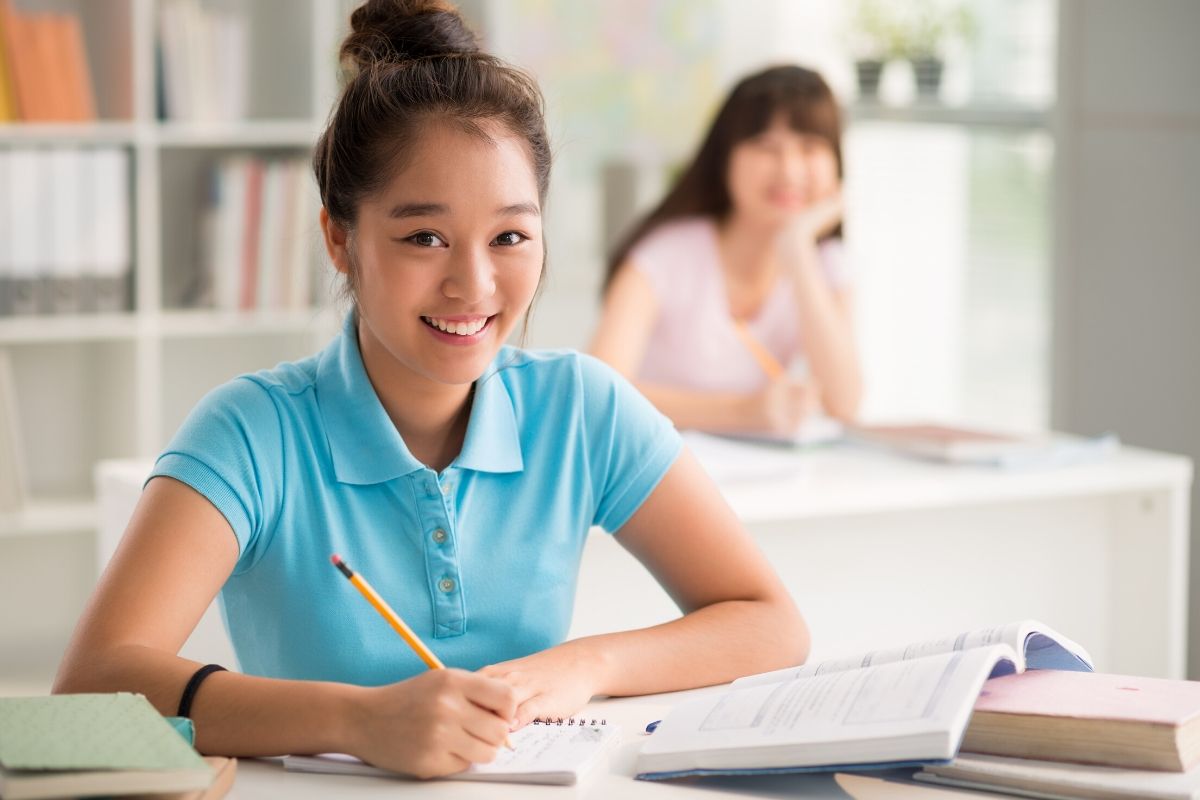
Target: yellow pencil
x=393 y=619
x=762 y=355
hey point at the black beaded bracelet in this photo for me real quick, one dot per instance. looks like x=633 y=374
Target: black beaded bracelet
x=189 y=691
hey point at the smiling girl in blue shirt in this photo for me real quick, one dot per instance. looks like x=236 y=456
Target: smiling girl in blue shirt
x=461 y=475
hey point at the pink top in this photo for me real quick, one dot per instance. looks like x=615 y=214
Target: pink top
x=694 y=345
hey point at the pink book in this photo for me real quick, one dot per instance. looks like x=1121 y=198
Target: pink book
x=1089 y=717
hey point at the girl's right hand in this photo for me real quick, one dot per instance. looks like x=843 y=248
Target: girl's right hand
x=433 y=724
x=782 y=406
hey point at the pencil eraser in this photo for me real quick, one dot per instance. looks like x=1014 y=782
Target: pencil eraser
x=336 y=559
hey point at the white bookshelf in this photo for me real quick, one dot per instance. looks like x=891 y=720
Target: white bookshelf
x=116 y=385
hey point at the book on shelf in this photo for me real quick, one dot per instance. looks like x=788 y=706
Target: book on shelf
x=9 y=110
x=1090 y=718
x=45 y=61
x=1060 y=781
x=94 y=744
x=255 y=250
x=886 y=708
x=953 y=444
x=203 y=60
x=559 y=752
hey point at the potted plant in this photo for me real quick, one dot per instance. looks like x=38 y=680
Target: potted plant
x=874 y=37
x=923 y=36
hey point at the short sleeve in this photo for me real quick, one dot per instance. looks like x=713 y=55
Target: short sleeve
x=630 y=444
x=835 y=264
x=659 y=254
x=229 y=449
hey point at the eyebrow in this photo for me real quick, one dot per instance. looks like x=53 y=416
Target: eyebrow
x=406 y=210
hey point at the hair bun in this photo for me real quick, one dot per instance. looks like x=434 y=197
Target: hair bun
x=398 y=30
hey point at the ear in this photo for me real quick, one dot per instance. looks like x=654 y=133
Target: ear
x=335 y=243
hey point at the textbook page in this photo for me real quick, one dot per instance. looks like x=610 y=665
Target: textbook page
x=1038 y=646
x=550 y=754
x=900 y=712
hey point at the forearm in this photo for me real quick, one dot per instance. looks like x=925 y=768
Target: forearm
x=710 y=411
x=235 y=715
x=828 y=339
x=711 y=645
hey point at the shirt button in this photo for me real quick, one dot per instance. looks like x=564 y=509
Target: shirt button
x=446 y=487
x=439 y=536
x=446 y=585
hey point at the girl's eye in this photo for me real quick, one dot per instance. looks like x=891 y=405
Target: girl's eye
x=509 y=238
x=426 y=239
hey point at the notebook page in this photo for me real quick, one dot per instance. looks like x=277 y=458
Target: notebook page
x=557 y=754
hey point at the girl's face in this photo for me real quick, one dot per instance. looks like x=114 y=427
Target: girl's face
x=449 y=254
x=780 y=172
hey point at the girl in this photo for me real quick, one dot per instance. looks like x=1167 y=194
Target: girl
x=744 y=253
x=460 y=474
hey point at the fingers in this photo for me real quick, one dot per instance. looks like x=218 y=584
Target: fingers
x=495 y=694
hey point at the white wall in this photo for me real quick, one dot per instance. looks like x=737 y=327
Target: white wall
x=1128 y=231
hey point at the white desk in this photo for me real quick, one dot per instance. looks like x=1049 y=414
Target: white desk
x=879 y=549
x=614 y=779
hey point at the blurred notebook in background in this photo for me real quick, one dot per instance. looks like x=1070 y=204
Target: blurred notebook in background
x=1091 y=718
x=1057 y=781
x=977 y=446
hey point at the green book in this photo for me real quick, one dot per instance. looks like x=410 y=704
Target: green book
x=92 y=744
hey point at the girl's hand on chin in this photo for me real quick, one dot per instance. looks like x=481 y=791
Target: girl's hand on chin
x=809 y=225
x=552 y=684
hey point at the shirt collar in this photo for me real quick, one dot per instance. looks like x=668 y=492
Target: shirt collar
x=364 y=444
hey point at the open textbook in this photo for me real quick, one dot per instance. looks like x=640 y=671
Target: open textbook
x=888 y=708
x=544 y=752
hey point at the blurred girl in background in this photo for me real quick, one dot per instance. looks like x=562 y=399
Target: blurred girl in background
x=729 y=305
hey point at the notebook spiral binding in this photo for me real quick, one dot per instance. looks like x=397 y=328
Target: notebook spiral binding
x=569 y=721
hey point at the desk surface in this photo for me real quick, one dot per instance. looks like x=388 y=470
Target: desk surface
x=614 y=779
x=766 y=483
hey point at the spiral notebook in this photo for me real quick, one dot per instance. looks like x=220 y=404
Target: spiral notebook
x=546 y=751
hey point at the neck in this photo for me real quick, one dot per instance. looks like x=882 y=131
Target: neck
x=747 y=246
x=430 y=417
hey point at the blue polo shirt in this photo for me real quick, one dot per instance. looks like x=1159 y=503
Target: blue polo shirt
x=480 y=560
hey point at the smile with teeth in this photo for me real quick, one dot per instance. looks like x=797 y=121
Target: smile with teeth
x=460 y=328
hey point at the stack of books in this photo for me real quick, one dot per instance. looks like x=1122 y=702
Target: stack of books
x=1080 y=735
x=44 y=75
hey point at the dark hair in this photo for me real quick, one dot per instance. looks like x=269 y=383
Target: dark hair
x=800 y=94
x=407 y=63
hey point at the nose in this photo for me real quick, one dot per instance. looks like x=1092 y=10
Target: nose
x=793 y=165
x=471 y=278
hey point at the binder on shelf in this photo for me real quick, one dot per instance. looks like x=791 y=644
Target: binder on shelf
x=111 y=263
x=65 y=288
x=26 y=191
